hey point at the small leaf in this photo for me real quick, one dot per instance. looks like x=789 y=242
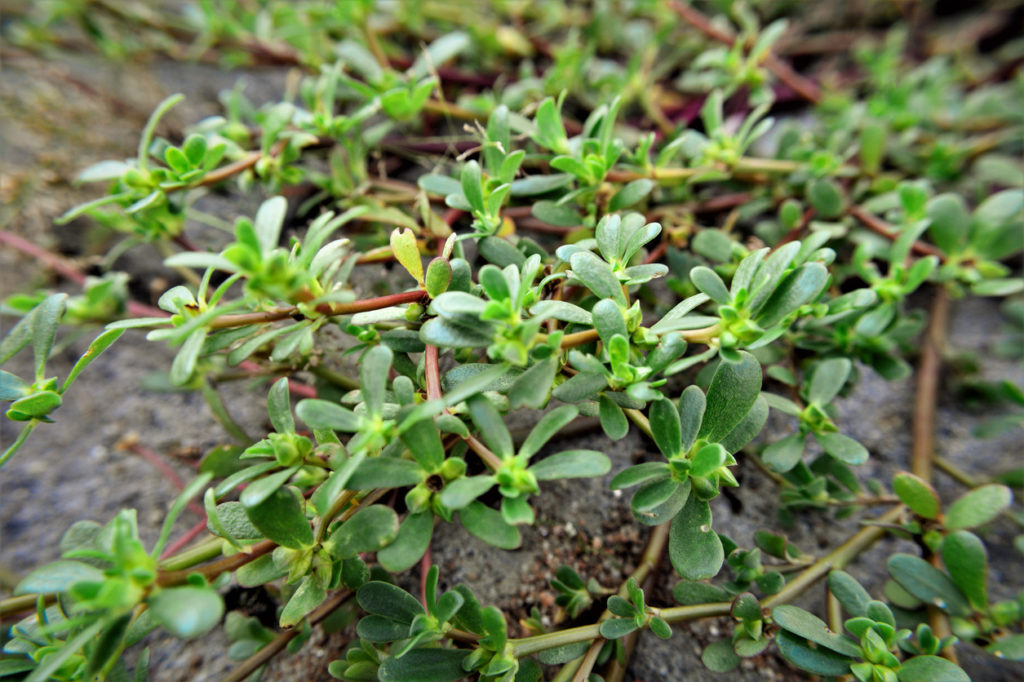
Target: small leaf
x=720 y=657
x=563 y=654
x=927 y=583
x=580 y=387
x=403 y=245
x=268 y=223
x=185 y=361
x=808 y=626
x=280 y=518
x=368 y=530
x=412 y=541
x=853 y=598
x=615 y=628
x=613 y=420
x=324 y=414
x=424 y=665
x=639 y=473
x=549 y=425
x=309 y=595
x=373 y=377
x=630 y=194
x=462 y=491
x=917 y=494
x=689 y=593
x=597 y=276
x=57 y=577
x=572 y=464
x=826 y=197
x=818 y=661
x=490 y=425
x=733 y=391
x=261 y=489
x=45 y=319
x=486 y=524
x=389 y=601
x=694 y=548
x=828 y=379
x=931 y=669
x=843 y=448
x=978 y=507
x=967 y=562
x=708 y=281
x=384 y=472
x=188 y=611
x=279 y=407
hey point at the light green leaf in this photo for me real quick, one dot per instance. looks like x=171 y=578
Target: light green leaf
x=843 y=448
x=597 y=276
x=57 y=577
x=187 y=612
x=572 y=464
x=917 y=494
x=279 y=407
x=978 y=507
x=368 y=530
x=490 y=425
x=309 y=595
x=828 y=379
x=549 y=425
x=613 y=419
x=931 y=669
x=373 y=377
x=323 y=414
x=967 y=562
x=486 y=524
x=630 y=194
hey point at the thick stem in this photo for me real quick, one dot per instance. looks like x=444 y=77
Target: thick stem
x=330 y=309
x=923 y=448
x=879 y=226
x=211 y=571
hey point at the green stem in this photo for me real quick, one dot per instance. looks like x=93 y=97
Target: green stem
x=211 y=549
x=16 y=445
x=838 y=558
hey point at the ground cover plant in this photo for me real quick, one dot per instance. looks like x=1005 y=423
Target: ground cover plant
x=659 y=216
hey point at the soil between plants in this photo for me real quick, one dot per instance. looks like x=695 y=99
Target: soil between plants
x=57 y=117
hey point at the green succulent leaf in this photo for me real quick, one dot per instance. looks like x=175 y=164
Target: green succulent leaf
x=917 y=494
x=927 y=583
x=931 y=669
x=694 y=548
x=188 y=611
x=978 y=507
x=964 y=556
x=732 y=393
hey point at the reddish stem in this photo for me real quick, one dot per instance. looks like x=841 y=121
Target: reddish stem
x=433 y=374
x=879 y=226
x=50 y=260
x=185 y=539
x=804 y=87
x=154 y=458
x=244 y=319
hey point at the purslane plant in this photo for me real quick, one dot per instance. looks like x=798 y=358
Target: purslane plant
x=803 y=279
